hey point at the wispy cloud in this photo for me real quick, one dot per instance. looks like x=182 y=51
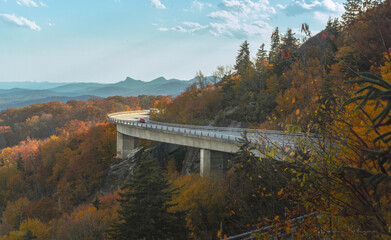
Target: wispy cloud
x=19 y=21
x=280 y=6
x=234 y=18
x=315 y=7
x=242 y=18
x=187 y=27
x=43 y=4
x=28 y=3
x=196 y=5
x=157 y=4
x=194 y=26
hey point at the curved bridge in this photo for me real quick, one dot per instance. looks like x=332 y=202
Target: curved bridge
x=215 y=143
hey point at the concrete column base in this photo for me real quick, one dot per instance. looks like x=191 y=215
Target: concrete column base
x=125 y=145
x=213 y=164
x=205 y=162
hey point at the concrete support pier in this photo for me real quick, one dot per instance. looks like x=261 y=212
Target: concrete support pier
x=125 y=144
x=213 y=163
x=205 y=162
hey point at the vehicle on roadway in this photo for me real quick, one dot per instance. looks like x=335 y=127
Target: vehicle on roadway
x=142 y=120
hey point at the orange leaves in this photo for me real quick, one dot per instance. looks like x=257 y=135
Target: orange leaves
x=280 y=192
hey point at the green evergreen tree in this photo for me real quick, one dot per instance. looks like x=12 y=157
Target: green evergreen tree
x=275 y=46
x=287 y=48
x=260 y=63
x=144 y=206
x=261 y=57
x=289 y=42
x=243 y=62
x=352 y=8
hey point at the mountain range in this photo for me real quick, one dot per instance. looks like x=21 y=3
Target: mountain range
x=20 y=94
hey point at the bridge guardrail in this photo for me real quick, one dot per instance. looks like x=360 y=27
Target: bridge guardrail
x=176 y=129
x=210 y=128
x=192 y=129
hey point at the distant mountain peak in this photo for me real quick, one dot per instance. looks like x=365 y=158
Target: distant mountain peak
x=159 y=79
x=129 y=79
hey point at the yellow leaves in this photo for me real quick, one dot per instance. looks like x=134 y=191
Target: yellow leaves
x=293 y=100
x=280 y=192
x=297 y=111
x=276 y=218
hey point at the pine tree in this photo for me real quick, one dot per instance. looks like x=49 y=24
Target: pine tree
x=352 y=8
x=260 y=63
x=289 y=42
x=243 y=59
x=144 y=206
x=287 y=49
x=260 y=57
x=275 y=46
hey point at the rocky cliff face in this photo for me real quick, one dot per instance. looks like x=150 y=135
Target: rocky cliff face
x=120 y=172
x=191 y=162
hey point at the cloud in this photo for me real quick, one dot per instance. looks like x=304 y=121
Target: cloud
x=247 y=6
x=43 y=4
x=324 y=6
x=187 y=27
x=157 y=4
x=333 y=6
x=242 y=18
x=19 y=21
x=27 y=3
x=179 y=29
x=233 y=18
x=194 y=26
x=196 y=5
x=280 y=6
x=324 y=17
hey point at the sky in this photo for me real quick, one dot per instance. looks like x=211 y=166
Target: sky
x=109 y=40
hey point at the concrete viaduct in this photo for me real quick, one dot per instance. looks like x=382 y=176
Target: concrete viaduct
x=215 y=143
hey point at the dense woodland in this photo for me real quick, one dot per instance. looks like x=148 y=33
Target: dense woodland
x=335 y=85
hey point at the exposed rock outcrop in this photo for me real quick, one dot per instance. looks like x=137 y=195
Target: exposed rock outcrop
x=191 y=163
x=120 y=172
